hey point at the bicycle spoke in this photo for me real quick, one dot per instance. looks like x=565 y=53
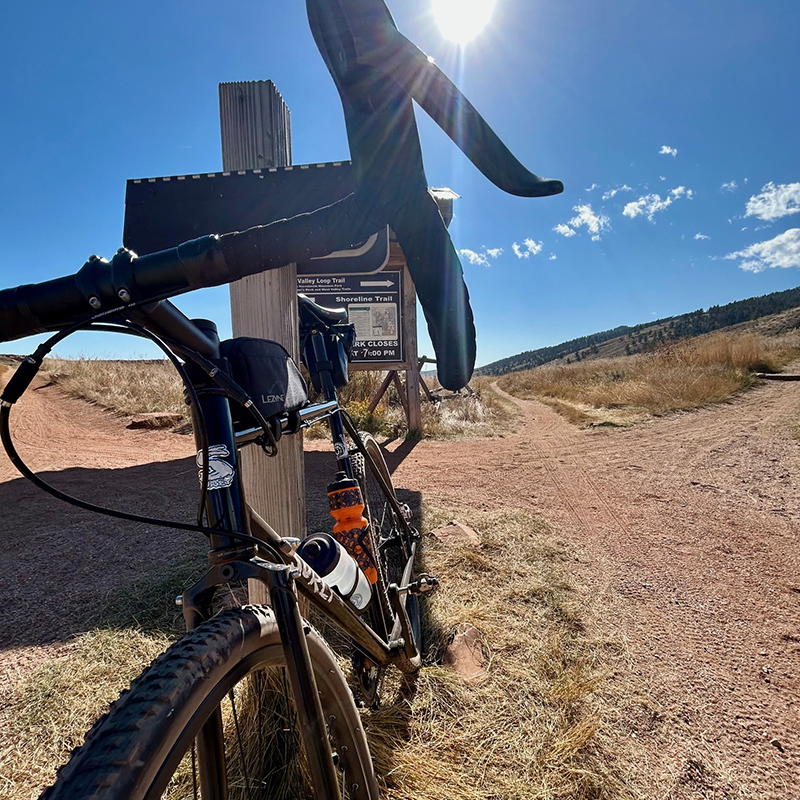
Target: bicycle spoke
x=194 y=769
x=247 y=783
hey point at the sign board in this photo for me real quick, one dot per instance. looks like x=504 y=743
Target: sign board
x=163 y=212
x=374 y=303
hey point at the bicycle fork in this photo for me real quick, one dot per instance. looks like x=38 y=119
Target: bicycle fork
x=210 y=745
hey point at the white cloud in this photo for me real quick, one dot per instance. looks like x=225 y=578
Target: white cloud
x=534 y=248
x=564 y=230
x=666 y=150
x=475 y=258
x=596 y=237
x=611 y=192
x=662 y=177
x=553 y=257
x=482 y=259
x=701 y=236
x=593 y=187
x=775 y=201
x=730 y=186
x=531 y=248
x=651 y=204
x=585 y=216
x=782 y=251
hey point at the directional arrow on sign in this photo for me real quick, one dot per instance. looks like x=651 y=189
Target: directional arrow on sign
x=377 y=283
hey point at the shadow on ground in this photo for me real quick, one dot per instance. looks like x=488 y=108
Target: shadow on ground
x=63 y=568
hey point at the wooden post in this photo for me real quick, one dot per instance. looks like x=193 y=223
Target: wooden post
x=256 y=133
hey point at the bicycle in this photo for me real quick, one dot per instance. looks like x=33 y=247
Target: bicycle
x=262 y=637
x=168 y=732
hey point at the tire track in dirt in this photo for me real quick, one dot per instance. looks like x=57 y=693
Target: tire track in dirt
x=676 y=526
x=559 y=449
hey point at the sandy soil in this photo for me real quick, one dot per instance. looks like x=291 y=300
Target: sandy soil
x=684 y=530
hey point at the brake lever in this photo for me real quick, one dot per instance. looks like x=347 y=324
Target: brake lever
x=377 y=72
x=445 y=103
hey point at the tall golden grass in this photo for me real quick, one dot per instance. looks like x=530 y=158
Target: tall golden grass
x=681 y=376
x=137 y=387
x=124 y=387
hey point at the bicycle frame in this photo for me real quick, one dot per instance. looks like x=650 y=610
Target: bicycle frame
x=282 y=572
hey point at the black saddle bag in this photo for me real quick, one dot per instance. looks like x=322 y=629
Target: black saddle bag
x=339 y=341
x=267 y=373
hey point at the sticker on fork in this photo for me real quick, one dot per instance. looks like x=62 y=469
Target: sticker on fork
x=220 y=472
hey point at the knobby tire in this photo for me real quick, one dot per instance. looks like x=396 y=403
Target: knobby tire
x=134 y=751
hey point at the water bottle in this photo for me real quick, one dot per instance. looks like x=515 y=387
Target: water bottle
x=351 y=528
x=339 y=569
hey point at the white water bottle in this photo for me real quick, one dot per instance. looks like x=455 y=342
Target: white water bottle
x=338 y=568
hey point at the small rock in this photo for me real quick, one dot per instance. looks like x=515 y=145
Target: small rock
x=457 y=533
x=154 y=420
x=776 y=743
x=464 y=655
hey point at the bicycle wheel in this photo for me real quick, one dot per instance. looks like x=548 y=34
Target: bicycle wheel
x=144 y=747
x=393 y=542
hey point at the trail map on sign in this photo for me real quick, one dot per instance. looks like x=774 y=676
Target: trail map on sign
x=374 y=306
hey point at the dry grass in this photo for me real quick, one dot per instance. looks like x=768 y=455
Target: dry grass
x=137 y=387
x=124 y=387
x=57 y=704
x=457 y=416
x=686 y=375
x=535 y=728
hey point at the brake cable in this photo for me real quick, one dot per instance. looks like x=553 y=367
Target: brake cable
x=28 y=369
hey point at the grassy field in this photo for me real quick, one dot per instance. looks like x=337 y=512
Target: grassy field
x=125 y=387
x=686 y=375
x=136 y=387
x=535 y=727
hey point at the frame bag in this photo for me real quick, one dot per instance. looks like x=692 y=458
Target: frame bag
x=267 y=373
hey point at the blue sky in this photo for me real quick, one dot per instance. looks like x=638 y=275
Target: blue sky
x=685 y=111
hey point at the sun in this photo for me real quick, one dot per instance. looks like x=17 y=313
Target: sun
x=462 y=20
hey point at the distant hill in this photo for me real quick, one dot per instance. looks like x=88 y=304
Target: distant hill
x=777 y=312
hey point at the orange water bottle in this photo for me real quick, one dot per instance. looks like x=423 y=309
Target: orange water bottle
x=352 y=527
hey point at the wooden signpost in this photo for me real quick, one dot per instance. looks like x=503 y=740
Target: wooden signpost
x=258 y=185
x=383 y=307
x=256 y=133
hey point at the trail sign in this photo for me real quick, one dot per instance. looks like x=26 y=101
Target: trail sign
x=374 y=303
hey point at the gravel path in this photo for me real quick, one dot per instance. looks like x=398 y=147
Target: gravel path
x=686 y=535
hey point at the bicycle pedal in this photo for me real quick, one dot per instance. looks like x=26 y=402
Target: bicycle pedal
x=424 y=584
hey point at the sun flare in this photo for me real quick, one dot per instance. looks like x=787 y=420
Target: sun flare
x=462 y=20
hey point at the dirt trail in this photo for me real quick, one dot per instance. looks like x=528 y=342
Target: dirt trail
x=58 y=563
x=684 y=529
